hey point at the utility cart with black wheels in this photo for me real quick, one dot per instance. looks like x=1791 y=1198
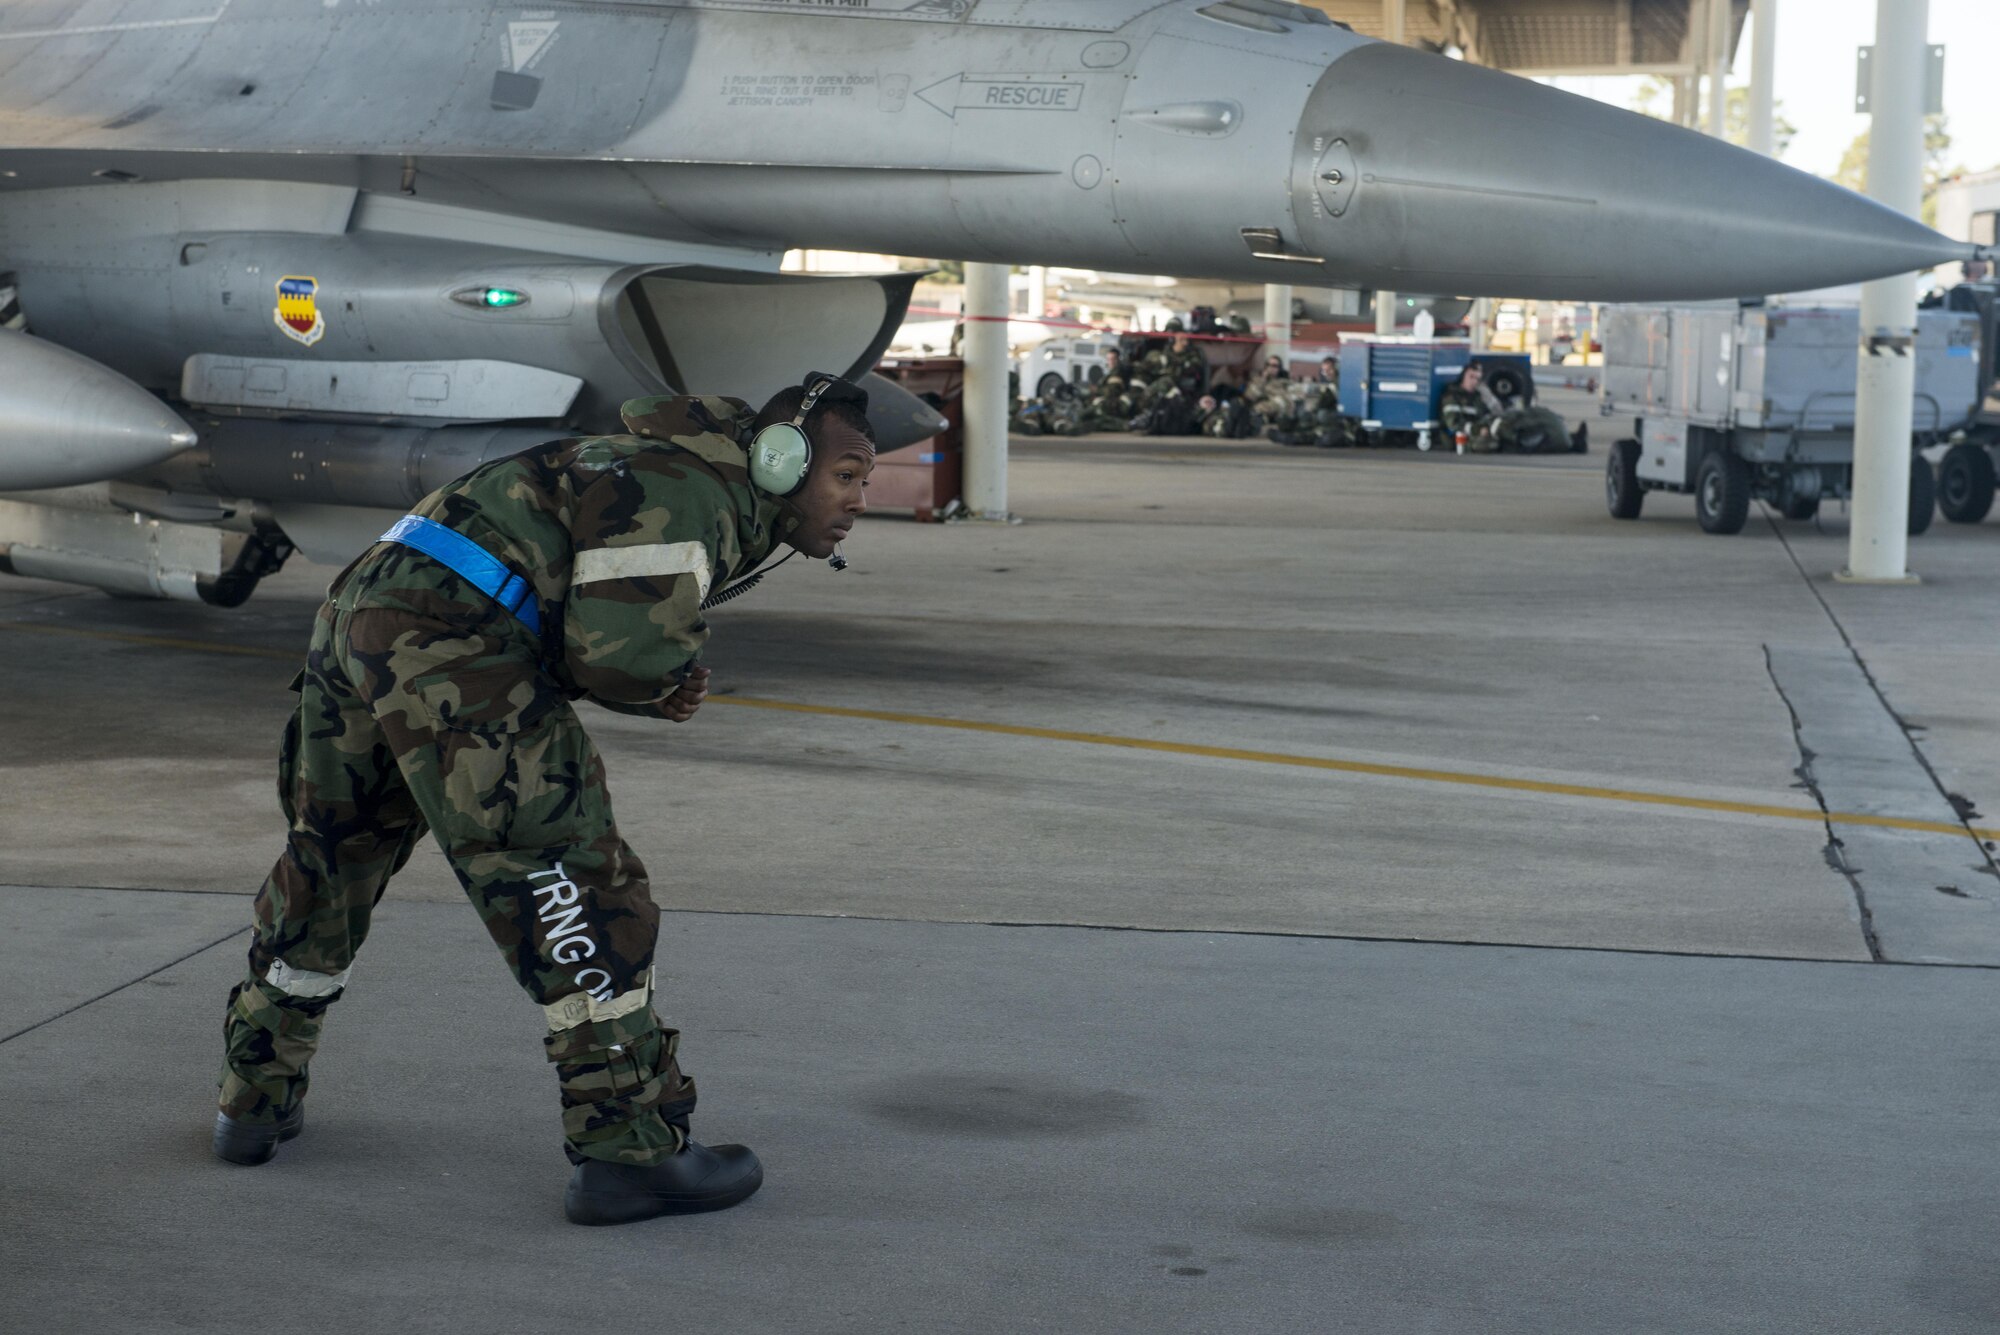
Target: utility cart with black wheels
x=1965 y=481
x=1965 y=472
x=1738 y=402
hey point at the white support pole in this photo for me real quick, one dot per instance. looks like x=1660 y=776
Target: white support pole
x=1393 y=30
x=1878 y=540
x=1720 y=13
x=1482 y=324
x=986 y=390
x=1764 y=78
x=1393 y=23
x=1278 y=322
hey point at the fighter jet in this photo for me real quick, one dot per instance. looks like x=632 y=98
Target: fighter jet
x=286 y=265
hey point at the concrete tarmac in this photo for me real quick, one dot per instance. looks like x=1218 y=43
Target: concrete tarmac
x=1521 y=921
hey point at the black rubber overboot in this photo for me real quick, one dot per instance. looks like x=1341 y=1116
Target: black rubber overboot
x=697 y=1179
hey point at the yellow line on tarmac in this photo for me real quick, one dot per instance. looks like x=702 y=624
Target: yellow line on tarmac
x=1367 y=767
x=1324 y=763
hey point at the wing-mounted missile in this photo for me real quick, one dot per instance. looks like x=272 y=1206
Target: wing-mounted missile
x=310 y=364
x=67 y=420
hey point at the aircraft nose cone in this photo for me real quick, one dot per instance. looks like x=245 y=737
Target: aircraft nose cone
x=1490 y=185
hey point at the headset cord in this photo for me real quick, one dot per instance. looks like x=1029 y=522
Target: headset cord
x=742 y=586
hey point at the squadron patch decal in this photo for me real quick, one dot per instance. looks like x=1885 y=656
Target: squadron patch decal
x=298 y=309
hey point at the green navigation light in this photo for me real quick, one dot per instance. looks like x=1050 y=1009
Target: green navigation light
x=490 y=298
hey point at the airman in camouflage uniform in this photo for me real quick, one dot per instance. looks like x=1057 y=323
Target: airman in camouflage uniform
x=1490 y=425
x=1189 y=367
x=1468 y=407
x=1313 y=415
x=1269 y=390
x=1156 y=372
x=1111 y=405
x=1049 y=415
x=426 y=705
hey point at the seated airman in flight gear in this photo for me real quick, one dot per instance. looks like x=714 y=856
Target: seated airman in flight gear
x=437 y=695
x=1490 y=425
x=1467 y=408
x=1111 y=405
x=1156 y=372
x=1269 y=390
x=1188 y=365
x=1059 y=414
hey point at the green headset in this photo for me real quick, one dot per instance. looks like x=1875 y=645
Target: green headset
x=781 y=454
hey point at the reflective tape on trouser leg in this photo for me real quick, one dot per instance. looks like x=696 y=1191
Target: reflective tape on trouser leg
x=624 y=1096
x=304 y=982
x=583 y=1008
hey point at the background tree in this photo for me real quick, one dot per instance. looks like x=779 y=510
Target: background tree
x=1853 y=169
x=1736 y=122
x=1655 y=98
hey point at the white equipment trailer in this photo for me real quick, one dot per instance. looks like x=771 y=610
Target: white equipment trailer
x=1734 y=402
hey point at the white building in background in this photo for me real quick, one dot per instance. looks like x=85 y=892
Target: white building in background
x=1968 y=209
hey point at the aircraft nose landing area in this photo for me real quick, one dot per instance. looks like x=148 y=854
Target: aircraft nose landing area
x=1659 y=826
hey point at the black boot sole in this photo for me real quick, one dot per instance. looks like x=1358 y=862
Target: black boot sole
x=254 y=1142
x=633 y=1204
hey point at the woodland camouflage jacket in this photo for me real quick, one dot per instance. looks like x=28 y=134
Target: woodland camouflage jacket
x=623 y=536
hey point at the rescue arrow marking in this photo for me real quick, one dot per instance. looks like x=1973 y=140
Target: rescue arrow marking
x=1027 y=93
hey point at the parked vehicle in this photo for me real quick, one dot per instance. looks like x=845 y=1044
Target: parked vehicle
x=1737 y=402
x=1062 y=365
x=1965 y=473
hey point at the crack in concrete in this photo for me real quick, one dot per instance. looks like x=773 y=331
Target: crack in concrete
x=1834 y=851
x=1961 y=806
x=132 y=982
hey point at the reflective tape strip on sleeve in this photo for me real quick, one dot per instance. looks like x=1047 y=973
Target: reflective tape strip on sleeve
x=650 y=561
x=582 y=1008
x=304 y=982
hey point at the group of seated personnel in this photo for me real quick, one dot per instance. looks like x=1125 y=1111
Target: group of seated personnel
x=1159 y=396
x=1168 y=394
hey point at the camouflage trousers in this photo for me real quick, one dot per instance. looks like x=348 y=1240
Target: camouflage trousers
x=407 y=723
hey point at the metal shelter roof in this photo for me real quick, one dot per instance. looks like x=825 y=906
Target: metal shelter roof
x=1554 y=36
